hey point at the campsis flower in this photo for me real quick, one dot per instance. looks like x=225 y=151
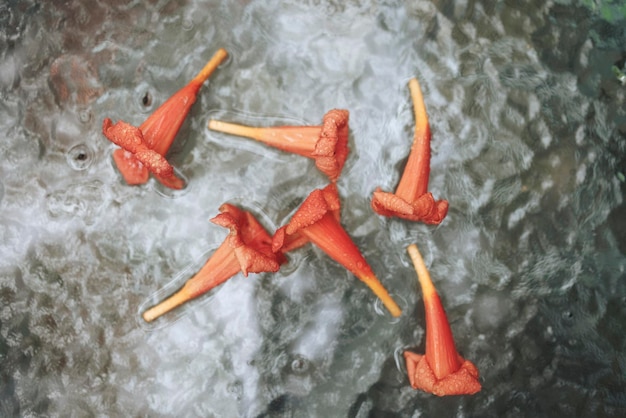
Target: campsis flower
x=158 y=131
x=317 y=221
x=246 y=249
x=441 y=370
x=412 y=200
x=327 y=144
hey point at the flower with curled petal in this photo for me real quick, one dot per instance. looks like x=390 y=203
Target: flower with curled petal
x=159 y=130
x=327 y=144
x=246 y=249
x=131 y=140
x=412 y=200
x=441 y=371
x=317 y=221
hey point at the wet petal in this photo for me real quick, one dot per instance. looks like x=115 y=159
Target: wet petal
x=464 y=381
x=132 y=170
x=317 y=221
x=157 y=133
x=331 y=150
x=131 y=139
x=424 y=209
x=249 y=240
x=247 y=248
x=441 y=370
x=326 y=144
x=411 y=199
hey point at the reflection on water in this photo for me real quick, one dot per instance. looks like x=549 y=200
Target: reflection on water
x=528 y=146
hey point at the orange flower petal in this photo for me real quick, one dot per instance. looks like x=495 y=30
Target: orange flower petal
x=464 y=381
x=317 y=221
x=249 y=240
x=315 y=206
x=414 y=181
x=131 y=139
x=247 y=248
x=441 y=370
x=283 y=243
x=171 y=181
x=331 y=150
x=159 y=131
x=411 y=199
x=326 y=144
x=163 y=124
x=424 y=209
x=132 y=170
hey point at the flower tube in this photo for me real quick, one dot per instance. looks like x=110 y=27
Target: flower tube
x=160 y=129
x=317 y=221
x=441 y=371
x=412 y=200
x=327 y=144
x=246 y=249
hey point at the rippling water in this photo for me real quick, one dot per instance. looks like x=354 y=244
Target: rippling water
x=528 y=146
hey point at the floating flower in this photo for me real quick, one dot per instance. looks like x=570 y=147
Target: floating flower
x=246 y=249
x=317 y=221
x=411 y=200
x=160 y=129
x=131 y=139
x=326 y=144
x=441 y=371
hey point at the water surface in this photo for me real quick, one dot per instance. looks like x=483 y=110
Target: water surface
x=528 y=146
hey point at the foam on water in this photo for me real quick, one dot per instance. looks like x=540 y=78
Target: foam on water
x=528 y=147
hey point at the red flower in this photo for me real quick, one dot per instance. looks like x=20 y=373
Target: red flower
x=158 y=131
x=131 y=139
x=326 y=144
x=411 y=200
x=246 y=249
x=441 y=371
x=317 y=221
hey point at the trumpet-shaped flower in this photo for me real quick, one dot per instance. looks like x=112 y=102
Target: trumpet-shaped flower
x=327 y=144
x=412 y=200
x=441 y=371
x=246 y=249
x=131 y=139
x=160 y=129
x=317 y=221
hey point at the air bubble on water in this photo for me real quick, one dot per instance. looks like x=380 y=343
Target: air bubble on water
x=85 y=115
x=80 y=157
x=144 y=98
x=236 y=389
x=299 y=364
x=187 y=23
x=381 y=310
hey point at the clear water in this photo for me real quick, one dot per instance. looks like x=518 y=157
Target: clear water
x=529 y=127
